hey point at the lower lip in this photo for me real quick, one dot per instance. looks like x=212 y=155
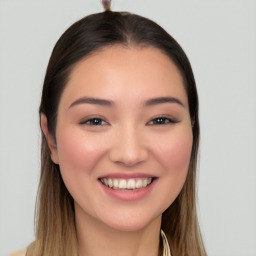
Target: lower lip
x=129 y=195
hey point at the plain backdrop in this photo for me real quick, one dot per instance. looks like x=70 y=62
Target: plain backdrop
x=219 y=37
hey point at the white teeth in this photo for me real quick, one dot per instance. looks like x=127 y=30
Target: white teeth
x=125 y=184
x=109 y=183
x=122 y=184
x=145 y=183
x=131 y=184
x=115 y=183
x=138 y=184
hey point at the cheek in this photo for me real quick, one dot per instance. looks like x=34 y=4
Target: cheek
x=174 y=152
x=78 y=156
x=175 y=157
x=78 y=153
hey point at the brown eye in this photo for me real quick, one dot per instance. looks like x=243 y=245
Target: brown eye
x=94 y=121
x=162 y=121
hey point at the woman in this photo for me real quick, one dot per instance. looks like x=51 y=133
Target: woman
x=120 y=134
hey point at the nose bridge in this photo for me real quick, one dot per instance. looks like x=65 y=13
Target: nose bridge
x=128 y=147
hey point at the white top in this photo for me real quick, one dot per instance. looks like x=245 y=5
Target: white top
x=166 y=248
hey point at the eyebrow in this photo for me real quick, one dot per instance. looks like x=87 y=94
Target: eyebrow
x=161 y=100
x=109 y=103
x=95 y=101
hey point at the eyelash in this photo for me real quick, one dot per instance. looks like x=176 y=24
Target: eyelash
x=162 y=120
x=91 y=120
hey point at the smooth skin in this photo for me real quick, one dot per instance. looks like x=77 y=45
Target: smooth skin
x=126 y=133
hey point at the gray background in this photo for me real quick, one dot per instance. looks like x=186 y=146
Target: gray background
x=219 y=37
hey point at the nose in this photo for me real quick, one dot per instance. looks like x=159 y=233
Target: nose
x=128 y=147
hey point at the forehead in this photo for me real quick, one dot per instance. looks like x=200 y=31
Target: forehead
x=120 y=72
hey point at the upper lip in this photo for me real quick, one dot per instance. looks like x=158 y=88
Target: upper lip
x=127 y=175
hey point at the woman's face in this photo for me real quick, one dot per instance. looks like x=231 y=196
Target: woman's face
x=123 y=136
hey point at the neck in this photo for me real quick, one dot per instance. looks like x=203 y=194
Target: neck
x=95 y=238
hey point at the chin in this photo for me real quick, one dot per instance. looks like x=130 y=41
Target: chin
x=133 y=225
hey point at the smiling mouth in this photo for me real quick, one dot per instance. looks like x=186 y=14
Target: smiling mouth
x=127 y=184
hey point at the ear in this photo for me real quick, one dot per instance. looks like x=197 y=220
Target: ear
x=50 y=139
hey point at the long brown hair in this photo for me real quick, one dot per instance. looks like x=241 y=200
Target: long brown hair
x=55 y=222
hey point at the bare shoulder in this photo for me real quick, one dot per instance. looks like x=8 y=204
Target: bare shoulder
x=21 y=252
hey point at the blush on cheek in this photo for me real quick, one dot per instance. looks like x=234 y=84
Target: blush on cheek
x=76 y=153
x=176 y=154
x=181 y=154
x=76 y=160
x=177 y=164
